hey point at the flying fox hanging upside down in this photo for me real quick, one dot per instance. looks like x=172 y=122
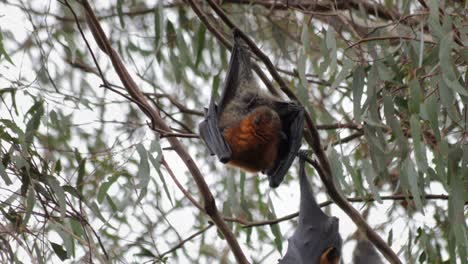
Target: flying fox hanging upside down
x=316 y=239
x=248 y=128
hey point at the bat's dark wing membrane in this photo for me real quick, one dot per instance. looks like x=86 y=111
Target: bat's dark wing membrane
x=292 y=120
x=316 y=234
x=239 y=69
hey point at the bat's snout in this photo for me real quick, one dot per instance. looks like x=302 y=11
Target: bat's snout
x=224 y=159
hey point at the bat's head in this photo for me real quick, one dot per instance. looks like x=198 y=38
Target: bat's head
x=263 y=118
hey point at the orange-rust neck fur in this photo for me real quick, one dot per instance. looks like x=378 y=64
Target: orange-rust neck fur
x=254 y=140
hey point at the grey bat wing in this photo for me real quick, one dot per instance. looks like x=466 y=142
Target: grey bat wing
x=316 y=232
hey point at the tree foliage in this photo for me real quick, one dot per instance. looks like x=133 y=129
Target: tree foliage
x=86 y=177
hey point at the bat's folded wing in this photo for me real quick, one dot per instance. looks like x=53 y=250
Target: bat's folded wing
x=292 y=120
x=210 y=133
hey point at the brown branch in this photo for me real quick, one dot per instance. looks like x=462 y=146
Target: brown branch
x=158 y=122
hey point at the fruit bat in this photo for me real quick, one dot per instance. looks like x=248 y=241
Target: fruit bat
x=248 y=128
x=316 y=239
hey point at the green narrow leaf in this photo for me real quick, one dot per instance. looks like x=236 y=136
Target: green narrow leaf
x=120 y=13
x=393 y=122
x=449 y=75
x=369 y=174
x=215 y=85
x=156 y=147
x=275 y=229
x=457 y=199
x=419 y=149
x=447 y=99
x=415 y=96
x=200 y=43
x=410 y=177
x=76 y=227
x=3 y=52
x=143 y=168
x=330 y=42
x=305 y=38
x=4 y=174
x=59 y=193
x=158 y=25
x=390 y=237
x=59 y=251
x=358 y=87
x=37 y=111
x=67 y=239
x=105 y=187
x=337 y=168
x=347 y=66
x=184 y=52
x=356 y=179
x=421 y=45
x=385 y=73
x=81 y=174
x=30 y=202
x=377 y=150
x=432 y=110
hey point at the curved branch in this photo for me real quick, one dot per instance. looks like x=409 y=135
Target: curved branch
x=158 y=122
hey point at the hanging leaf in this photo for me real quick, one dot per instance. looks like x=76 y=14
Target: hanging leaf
x=419 y=149
x=59 y=251
x=143 y=167
x=410 y=180
x=358 y=88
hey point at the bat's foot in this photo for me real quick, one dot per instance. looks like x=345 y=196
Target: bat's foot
x=304 y=153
